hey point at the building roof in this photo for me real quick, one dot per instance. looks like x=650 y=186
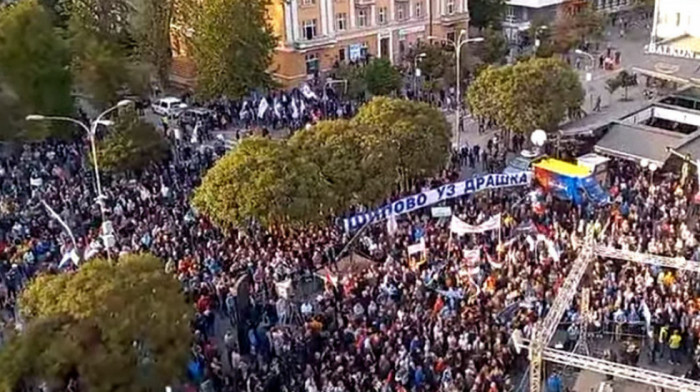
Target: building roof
x=638 y=142
x=565 y=168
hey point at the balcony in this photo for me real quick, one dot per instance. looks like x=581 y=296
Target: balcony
x=364 y=3
x=454 y=17
x=514 y=22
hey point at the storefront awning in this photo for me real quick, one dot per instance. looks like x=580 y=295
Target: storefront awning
x=637 y=143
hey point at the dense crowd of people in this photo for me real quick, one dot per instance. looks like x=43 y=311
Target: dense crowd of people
x=439 y=320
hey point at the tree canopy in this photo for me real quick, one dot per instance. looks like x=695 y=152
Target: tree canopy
x=414 y=136
x=265 y=180
x=231 y=44
x=151 y=26
x=348 y=162
x=532 y=94
x=328 y=168
x=132 y=144
x=34 y=59
x=571 y=30
x=486 y=13
x=624 y=80
x=121 y=326
x=381 y=77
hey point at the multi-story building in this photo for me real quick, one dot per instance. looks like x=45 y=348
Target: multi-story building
x=315 y=34
x=676 y=30
x=520 y=13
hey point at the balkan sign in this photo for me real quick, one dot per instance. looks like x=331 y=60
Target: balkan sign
x=668 y=50
x=436 y=195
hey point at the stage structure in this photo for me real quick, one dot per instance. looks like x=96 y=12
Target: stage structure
x=544 y=331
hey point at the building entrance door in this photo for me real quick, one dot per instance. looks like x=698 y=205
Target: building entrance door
x=384 y=48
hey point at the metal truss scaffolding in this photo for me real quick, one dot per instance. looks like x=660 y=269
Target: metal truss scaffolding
x=644 y=258
x=544 y=330
x=626 y=372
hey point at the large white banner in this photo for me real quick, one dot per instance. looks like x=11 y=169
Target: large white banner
x=433 y=196
x=461 y=227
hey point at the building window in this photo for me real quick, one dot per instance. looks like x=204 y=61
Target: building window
x=308 y=2
x=419 y=9
x=450 y=6
x=401 y=11
x=309 y=29
x=312 y=63
x=362 y=17
x=341 y=21
x=381 y=15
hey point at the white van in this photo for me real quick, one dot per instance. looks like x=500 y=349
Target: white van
x=168 y=106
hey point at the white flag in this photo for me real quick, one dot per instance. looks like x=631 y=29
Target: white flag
x=417 y=248
x=277 y=106
x=460 y=227
x=391 y=225
x=262 y=107
x=295 y=109
x=306 y=90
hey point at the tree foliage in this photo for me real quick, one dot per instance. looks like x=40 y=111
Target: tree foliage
x=436 y=61
x=349 y=162
x=133 y=144
x=571 y=30
x=354 y=75
x=103 y=70
x=382 y=78
x=322 y=171
x=34 y=58
x=231 y=43
x=414 y=137
x=105 y=64
x=152 y=35
x=486 y=13
x=265 y=180
x=624 y=80
x=109 y=326
x=495 y=48
x=532 y=94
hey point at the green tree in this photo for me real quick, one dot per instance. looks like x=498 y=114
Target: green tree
x=103 y=70
x=133 y=144
x=265 y=180
x=152 y=35
x=532 y=94
x=231 y=44
x=354 y=170
x=494 y=48
x=434 y=63
x=413 y=138
x=107 y=20
x=105 y=64
x=573 y=29
x=354 y=75
x=624 y=80
x=34 y=61
x=486 y=13
x=381 y=77
x=121 y=326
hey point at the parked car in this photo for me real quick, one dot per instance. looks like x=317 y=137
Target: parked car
x=522 y=162
x=192 y=115
x=168 y=106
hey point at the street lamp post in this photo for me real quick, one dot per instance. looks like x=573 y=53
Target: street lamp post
x=589 y=74
x=107 y=229
x=461 y=40
x=415 y=71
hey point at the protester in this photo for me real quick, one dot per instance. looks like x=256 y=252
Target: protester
x=437 y=320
